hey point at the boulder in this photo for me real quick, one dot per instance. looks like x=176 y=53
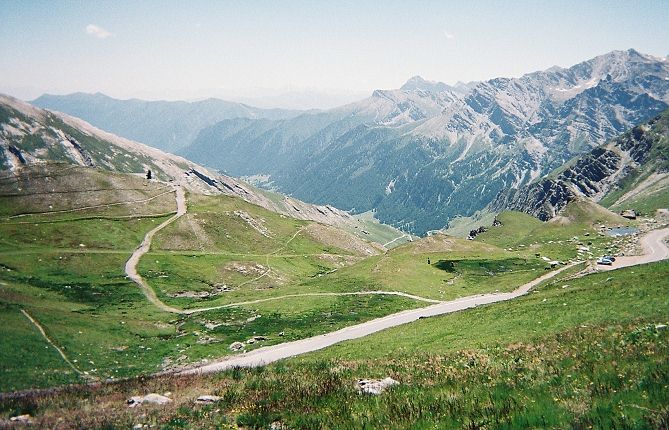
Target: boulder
x=236 y=346
x=629 y=214
x=153 y=398
x=375 y=386
x=475 y=232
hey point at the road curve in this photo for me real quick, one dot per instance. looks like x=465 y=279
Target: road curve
x=654 y=249
x=262 y=356
x=653 y=244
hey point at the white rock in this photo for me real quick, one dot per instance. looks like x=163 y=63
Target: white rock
x=375 y=386
x=25 y=418
x=153 y=398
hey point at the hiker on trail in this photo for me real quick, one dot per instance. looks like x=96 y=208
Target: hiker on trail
x=428 y=260
x=148 y=175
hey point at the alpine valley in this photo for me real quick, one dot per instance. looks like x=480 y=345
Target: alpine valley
x=421 y=155
x=487 y=255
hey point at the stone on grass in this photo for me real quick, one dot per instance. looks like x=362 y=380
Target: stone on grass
x=25 y=418
x=153 y=398
x=208 y=399
x=375 y=386
x=236 y=346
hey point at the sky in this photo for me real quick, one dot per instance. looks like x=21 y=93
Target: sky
x=254 y=49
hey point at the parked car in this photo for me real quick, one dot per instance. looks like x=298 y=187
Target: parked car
x=604 y=261
x=609 y=257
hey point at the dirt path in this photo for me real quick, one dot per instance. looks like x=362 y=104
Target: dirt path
x=105 y=205
x=131 y=264
x=385 y=245
x=262 y=356
x=50 y=342
x=289 y=296
x=150 y=294
x=91 y=217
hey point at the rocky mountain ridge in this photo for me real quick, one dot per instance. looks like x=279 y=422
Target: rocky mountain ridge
x=625 y=165
x=421 y=155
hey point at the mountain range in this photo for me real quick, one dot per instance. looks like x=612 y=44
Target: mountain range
x=423 y=154
x=31 y=138
x=166 y=125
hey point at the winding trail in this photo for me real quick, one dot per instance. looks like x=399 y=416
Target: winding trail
x=653 y=244
x=150 y=294
x=131 y=264
x=83 y=208
x=289 y=296
x=396 y=239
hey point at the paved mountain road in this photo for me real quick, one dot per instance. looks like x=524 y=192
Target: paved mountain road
x=262 y=356
x=653 y=244
x=654 y=249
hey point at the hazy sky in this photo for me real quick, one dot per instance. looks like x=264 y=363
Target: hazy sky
x=188 y=49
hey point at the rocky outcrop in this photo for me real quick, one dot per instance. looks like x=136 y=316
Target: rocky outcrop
x=629 y=214
x=475 y=232
x=636 y=153
x=208 y=399
x=543 y=199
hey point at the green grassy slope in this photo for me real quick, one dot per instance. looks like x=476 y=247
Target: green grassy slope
x=65 y=267
x=577 y=353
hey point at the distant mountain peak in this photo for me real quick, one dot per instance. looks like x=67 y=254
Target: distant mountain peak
x=418 y=83
x=415 y=80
